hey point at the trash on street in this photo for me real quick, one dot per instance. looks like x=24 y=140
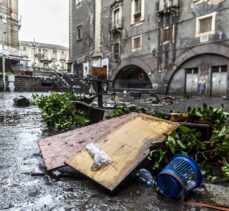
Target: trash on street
x=57 y=149
x=181 y=175
x=127 y=146
x=145 y=177
x=100 y=158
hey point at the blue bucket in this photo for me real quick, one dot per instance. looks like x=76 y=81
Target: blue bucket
x=181 y=175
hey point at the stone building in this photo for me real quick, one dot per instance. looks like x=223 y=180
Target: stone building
x=41 y=55
x=9 y=28
x=172 y=46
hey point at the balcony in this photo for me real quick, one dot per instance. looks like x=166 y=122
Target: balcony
x=167 y=6
x=117 y=25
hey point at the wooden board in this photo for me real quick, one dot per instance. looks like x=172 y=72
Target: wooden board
x=57 y=149
x=127 y=146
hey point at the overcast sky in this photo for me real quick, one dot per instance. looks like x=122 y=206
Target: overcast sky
x=44 y=20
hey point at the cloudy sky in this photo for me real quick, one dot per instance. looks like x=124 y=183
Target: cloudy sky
x=44 y=20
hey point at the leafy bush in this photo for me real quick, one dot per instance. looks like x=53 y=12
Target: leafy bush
x=58 y=111
x=208 y=154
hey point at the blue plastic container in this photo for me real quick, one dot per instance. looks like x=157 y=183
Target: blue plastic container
x=181 y=174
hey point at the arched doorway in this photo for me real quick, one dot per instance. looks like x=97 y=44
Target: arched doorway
x=209 y=71
x=132 y=76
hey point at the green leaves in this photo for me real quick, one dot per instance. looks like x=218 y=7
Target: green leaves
x=125 y=110
x=58 y=111
x=215 y=116
x=182 y=141
x=211 y=154
x=225 y=170
x=220 y=142
x=187 y=141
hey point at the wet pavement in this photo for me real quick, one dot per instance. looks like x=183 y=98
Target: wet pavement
x=23 y=187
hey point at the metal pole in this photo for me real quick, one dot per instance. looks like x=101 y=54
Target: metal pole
x=34 y=59
x=3 y=73
x=3 y=59
x=100 y=94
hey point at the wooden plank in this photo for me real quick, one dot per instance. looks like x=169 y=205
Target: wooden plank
x=127 y=146
x=57 y=149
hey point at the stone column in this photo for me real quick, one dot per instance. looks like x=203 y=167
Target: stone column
x=70 y=30
x=98 y=9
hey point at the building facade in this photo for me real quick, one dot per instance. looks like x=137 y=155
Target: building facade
x=44 y=56
x=172 y=46
x=9 y=28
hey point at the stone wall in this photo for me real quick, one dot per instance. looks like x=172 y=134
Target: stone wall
x=31 y=84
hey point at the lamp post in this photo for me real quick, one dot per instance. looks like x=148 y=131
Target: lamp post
x=34 y=45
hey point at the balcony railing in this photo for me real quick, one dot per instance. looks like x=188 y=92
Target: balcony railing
x=165 y=5
x=117 y=24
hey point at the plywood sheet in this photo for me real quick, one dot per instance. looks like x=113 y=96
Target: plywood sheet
x=127 y=146
x=57 y=149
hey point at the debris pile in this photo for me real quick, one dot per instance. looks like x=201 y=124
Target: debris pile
x=21 y=101
x=124 y=142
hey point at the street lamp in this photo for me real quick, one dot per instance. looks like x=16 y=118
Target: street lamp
x=34 y=45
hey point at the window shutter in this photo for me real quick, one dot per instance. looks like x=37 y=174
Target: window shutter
x=116 y=49
x=167 y=34
x=205 y=25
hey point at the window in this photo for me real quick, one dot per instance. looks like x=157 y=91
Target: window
x=116 y=51
x=117 y=15
x=137 y=14
x=79 y=32
x=167 y=35
x=216 y=69
x=137 y=6
x=192 y=70
x=205 y=25
x=136 y=43
x=24 y=48
x=117 y=19
x=137 y=10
